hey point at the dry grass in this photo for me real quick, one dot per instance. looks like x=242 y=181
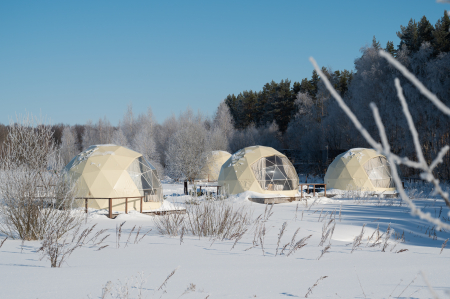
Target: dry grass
x=297 y=245
x=280 y=235
x=442 y=247
x=327 y=231
x=1 y=244
x=163 y=285
x=387 y=236
x=358 y=240
x=325 y=250
x=58 y=249
x=134 y=287
x=215 y=219
x=119 y=233
x=310 y=289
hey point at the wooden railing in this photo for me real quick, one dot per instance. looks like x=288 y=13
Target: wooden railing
x=314 y=188
x=110 y=203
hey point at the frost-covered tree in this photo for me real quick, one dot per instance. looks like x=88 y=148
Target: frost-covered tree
x=97 y=133
x=218 y=140
x=223 y=120
x=128 y=124
x=104 y=131
x=243 y=138
x=269 y=135
x=90 y=136
x=144 y=139
x=163 y=134
x=187 y=148
x=119 y=138
x=69 y=147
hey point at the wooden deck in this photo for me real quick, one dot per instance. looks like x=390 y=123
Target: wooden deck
x=112 y=215
x=275 y=200
x=160 y=213
x=149 y=213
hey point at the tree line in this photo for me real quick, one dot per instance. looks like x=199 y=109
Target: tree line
x=310 y=121
x=301 y=116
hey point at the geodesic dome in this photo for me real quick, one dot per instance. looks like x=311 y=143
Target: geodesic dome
x=260 y=169
x=360 y=169
x=213 y=165
x=111 y=171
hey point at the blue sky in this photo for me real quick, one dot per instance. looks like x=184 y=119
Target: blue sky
x=77 y=60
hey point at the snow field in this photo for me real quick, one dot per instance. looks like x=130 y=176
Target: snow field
x=220 y=272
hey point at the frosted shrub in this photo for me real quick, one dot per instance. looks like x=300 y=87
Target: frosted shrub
x=57 y=245
x=170 y=224
x=218 y=219
x=35 y=197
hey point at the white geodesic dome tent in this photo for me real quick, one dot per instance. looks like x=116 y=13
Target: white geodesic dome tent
x=111 y=171
x=213 y=164
x=360 y=169
x=259 y=169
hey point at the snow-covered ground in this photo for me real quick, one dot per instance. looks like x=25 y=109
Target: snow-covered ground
x=206 y=268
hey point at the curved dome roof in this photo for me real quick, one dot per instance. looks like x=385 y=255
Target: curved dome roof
x=111 y=171
x=360 y=169
x=213 y=165
x=260 y=169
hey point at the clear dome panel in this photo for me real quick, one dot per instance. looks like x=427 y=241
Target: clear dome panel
x=275 y=173
x=379 y=172
x=144 y=176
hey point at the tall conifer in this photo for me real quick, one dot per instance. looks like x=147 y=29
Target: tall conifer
x=390 y=48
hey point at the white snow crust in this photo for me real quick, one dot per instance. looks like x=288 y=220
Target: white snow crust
x=354 y=152
x=220 y=272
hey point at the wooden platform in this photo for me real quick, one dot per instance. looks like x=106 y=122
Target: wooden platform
x=275 y=200
x=160 y=213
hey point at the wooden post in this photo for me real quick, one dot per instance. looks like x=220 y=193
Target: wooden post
x=86 y=204
x=185 y=188
x=110 y=208
x=314 y=190
x=141 y=203
x=325 y=185
x=126 y=205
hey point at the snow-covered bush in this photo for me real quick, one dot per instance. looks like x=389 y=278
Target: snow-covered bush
x=218 y=219
x=57 y=245
x=35 y=196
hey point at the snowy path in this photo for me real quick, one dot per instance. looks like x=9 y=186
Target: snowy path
x=220 y=273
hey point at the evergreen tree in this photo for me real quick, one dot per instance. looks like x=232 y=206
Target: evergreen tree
x=231 y=102
x=376 y=44
x=337 y=79
x=390 y=48
x=314 y=84
x=296 y=88
x=441 y=35
x=424 y=31
x=409 y=36
x=306 y=86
